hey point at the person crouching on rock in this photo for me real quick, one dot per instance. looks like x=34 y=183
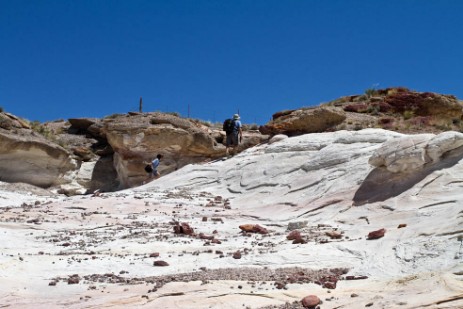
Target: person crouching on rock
x=152 y=169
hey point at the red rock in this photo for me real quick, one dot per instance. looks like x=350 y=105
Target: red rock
x=299 y=241
x=160 y=263
x=202 y=236
x=237 y=255
x=294 y=235
x=247 y=227
x=329 y=285
x=183 y=228
x=260 y=229
x=310 y=301
x=154 y=254
x=376 y=234
x=402 y=225
x=253 y=228
x=73 y=280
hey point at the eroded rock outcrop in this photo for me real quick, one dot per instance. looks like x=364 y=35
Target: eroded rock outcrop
x=302 y=121
x=30 y=158
x=138 y=138
x=410 y=153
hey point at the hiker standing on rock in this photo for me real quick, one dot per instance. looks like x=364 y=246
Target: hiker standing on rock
x=232 y=128
x=152 y=169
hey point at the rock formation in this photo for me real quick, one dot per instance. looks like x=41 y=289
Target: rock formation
x=30 y=158
x=302 y=121
x=302 y=221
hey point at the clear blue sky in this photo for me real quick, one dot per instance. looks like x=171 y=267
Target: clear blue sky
x=92 y=58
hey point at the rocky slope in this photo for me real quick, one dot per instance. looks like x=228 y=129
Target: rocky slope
x=313 y=215
x=397 y=109
x=88 y=154
x=83 y=155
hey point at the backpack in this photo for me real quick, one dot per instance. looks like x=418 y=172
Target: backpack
x=148 y=168
x=228 y=126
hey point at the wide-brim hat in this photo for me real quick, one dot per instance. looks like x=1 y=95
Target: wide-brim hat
x=236 y=116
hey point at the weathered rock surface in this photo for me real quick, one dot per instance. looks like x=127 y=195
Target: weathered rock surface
x=302 y=121
x=110 y=241
x=32 y=159
x=108 y=154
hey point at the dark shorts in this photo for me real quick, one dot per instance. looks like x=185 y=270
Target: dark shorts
x=232 y=139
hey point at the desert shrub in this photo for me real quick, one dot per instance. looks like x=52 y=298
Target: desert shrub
x=371 y=92
x=1 y=109
x=373 y=109
x=42 y=130
x=408 y=114
x=396 y=90
x=360 y=98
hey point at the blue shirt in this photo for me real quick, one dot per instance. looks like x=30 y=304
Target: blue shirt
x=155 y=164
x=237 y=126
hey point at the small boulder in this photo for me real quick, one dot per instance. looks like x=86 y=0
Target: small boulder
x=253 y=228
x=310 y=301
x=160 y=263
x=294 y=235
x=183 y=228
x=237 y=255
x=376 y=234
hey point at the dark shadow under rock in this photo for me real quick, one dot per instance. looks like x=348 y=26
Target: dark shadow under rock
x=381 y=184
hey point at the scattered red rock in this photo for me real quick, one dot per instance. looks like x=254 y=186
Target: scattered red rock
x=299 y=241
x=183 y=228
x=154 y=254
x=253 y=228
x=203 y=236
x=294 y=235
x=237 y=255
x=377 y=234
x=160 y=263
x=310 y=301
x=74 y=279
x=330 y=285
x=402 y=225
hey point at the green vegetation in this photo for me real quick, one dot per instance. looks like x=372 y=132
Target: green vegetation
x=373 y=109
x=408 y=114
x=42 y=130
x=371 y=92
